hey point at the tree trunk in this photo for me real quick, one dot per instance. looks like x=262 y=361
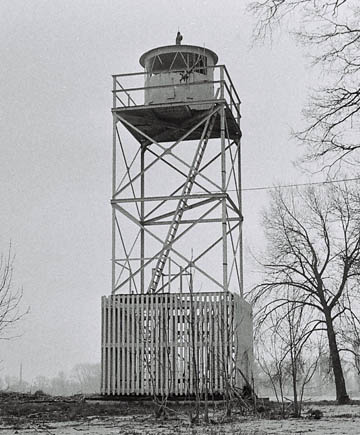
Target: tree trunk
x=294 y=381
x=341 y=394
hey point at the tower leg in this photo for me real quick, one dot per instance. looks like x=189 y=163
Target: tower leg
x=142 y=214
x=113 y=217
x=223 y=201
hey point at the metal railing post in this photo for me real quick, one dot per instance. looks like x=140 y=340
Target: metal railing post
x=114 y=92
x=222 y=82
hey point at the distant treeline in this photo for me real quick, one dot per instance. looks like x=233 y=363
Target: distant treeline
x=83 y=379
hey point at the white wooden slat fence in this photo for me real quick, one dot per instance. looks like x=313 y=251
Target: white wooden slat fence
x=168 y=344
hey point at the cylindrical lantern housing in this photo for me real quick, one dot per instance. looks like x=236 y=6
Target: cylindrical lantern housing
x=178 y=73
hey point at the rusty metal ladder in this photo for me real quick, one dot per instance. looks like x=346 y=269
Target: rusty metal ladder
x=182 y=204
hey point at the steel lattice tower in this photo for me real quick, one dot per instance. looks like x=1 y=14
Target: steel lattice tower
x=176 y=225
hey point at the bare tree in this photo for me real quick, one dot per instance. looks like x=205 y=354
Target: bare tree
x=10 y=297
x=88 y=377
x=313 y=251
x=350 y=327
x=331 y=31
x=288 y=351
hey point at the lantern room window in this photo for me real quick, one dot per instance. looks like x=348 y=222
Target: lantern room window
x=190 y=62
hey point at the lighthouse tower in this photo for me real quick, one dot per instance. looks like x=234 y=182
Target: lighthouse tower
x=176 y=322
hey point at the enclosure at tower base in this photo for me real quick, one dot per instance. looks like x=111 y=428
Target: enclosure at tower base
x=175 y=344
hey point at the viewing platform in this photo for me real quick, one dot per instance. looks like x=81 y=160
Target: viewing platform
x=136 y=102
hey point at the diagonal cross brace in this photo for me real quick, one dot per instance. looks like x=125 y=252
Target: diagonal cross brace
x=136 y=222
x=182 y=204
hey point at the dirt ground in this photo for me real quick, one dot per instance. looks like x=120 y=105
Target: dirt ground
x=22 y=414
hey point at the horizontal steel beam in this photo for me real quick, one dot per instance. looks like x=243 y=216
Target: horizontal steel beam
x=210 y=101
x=144 y=73
x=192 y=221
x=187 y=208
x=217 y=195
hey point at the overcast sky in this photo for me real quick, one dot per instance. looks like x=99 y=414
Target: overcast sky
x=57 y=58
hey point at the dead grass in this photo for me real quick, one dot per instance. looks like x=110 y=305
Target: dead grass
x=62 y=415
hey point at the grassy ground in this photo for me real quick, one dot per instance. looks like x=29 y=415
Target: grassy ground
x=29 y=414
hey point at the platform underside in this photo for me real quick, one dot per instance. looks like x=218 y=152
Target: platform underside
x=169 y=122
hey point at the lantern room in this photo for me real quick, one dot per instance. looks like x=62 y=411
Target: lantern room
x=178 y=73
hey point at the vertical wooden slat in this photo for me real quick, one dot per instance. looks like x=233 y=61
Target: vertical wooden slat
x=163 y=347
x=202 y=343
x=194 y=343
x=139 y=342
x=220 y=345
x=187 y=354
x=136 y=342
x=130 y=379
x=185 y=345
x=102 y=347
x=152 y=339
x=227 y=333
x=146 y=344
x=134 y=374
x=103 y=329
x=122 y=340
x=196 y=331
x=160 y=350
x=216 y=343
x=191 y=316
x=172 y=340
x=233 y=340
x=118 y=340
x=151 y=346
x=174 y=361
x=155 y=344
x=127 y=333
x=132 y=344
x=162 y=336
x=160 y=343
x=113 y=362
x=206 y=340
x=141 y=349
x=209 y=351
x=211 y=344
x=127 y=338
x=176 y=358
x=123 y=344
x=108 y=346
x=181 y=344
x=237 y=331
x=222 y=340
x=167 y=333
x=212 y=348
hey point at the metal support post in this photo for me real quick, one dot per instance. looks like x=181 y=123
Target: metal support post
x=238 y=143
x=113 y=214
x=222 y=82
x=223 y=201
x=142 y=215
